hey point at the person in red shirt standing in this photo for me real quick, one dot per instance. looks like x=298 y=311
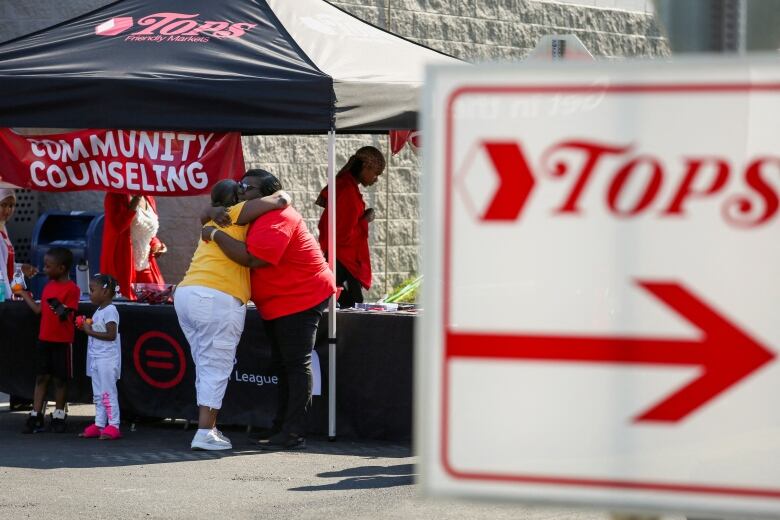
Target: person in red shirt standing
x=54 y=351
x=130 y=244
x=291 y=285
x=353 y=261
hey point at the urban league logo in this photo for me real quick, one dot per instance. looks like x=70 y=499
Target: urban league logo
x=173 y=27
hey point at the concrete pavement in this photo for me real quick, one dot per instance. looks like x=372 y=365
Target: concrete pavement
x=152 y=473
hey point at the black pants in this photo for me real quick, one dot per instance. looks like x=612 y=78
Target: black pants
x=353 y=292
x=292 y=341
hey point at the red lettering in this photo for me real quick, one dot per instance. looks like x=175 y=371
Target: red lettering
x=686 y=186
x=593 y=153
x=738 y=209
x=170 y=24
x=622 y=176
x=178 y=27
x=157 y=20
x=633 y=183
x=238 y=29
x=208 y=27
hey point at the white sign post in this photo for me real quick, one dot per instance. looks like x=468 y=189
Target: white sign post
x=602 y=301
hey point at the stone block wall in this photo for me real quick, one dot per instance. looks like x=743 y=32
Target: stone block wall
x=472 y=30
x=300 y=162
x=481 y=30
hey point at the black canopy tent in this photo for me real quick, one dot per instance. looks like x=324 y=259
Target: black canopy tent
x=254 y=66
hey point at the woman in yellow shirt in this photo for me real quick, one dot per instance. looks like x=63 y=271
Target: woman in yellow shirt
x=210 y=304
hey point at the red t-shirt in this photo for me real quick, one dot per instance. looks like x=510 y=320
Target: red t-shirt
x=351 y=228
x=298 y=277
x=52 y=328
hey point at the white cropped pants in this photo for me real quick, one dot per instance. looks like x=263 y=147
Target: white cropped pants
x=104 y=372
x=212 y=322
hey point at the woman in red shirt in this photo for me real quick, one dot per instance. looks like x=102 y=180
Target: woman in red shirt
x=130 y=243
x=291 y=285
x=353 y=260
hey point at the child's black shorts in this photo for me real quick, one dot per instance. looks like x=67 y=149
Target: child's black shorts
x=54 y=359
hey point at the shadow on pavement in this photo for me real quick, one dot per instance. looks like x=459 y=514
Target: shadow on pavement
x=151 y=443
x=366 y=477
x=370 y=471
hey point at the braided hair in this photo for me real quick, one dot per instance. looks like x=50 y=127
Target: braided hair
x=365 y=155
x=106 y=281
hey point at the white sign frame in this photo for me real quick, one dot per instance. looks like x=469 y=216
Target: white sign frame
x=438 y=476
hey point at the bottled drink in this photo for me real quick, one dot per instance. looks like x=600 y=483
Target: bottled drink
x=18 y=282
x=2 y=285
x=19 y=277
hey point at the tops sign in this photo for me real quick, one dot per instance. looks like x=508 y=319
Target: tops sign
x=603 y=326
x=173 y=27
x=635 y=179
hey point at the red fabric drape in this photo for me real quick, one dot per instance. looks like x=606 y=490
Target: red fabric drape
x=399 y=138
x=116 y=258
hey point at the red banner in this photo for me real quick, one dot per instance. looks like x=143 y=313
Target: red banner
x=399 y=138
x=161 y=163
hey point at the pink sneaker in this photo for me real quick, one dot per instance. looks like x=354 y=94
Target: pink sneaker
x=92 y=431
x=110 y=433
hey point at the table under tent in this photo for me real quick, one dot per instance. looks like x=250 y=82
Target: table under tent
x=251 y=66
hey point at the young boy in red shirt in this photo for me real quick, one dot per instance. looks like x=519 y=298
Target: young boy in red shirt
x=54 y=351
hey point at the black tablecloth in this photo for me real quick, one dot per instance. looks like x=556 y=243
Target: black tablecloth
x=374 y=369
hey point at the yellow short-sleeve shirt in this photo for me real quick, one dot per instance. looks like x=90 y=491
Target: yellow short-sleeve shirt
x=210 y=267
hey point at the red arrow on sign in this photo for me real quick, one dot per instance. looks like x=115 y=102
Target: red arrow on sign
x=514 y=177
x=725 y=353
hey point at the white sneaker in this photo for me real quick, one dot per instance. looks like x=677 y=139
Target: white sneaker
x=210 y=441
x=221 y=435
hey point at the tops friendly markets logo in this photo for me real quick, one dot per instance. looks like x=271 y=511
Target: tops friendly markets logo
x=497 y=178
x=173 y=27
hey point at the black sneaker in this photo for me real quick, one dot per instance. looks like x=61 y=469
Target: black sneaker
x=34 y=424
x=283 y=441
x=263 y=434
x=58 y=425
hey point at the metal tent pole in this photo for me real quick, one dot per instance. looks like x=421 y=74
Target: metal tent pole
x=332 y=305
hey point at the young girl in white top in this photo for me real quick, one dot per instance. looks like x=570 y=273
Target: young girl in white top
x=104 y=358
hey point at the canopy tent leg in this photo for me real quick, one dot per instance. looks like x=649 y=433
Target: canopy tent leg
x=332 y=304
